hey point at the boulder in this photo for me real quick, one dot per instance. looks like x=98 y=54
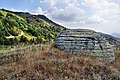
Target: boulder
x=85 y=42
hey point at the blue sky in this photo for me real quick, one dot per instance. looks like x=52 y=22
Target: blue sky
x=99 y=15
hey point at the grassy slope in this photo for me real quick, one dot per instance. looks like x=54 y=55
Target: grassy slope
x=59 y=66
x=34 y=27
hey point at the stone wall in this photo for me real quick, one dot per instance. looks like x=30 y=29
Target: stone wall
x=85 y=42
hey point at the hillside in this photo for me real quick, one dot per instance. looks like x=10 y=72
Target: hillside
x=20 y=27
x=116 y=35
x=112 y=40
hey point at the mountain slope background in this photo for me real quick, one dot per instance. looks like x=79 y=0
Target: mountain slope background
x=17 y=27
x=116 y=35
x=112 y=40
x=23 y=27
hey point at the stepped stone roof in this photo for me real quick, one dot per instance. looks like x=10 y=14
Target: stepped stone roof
x=85 y=42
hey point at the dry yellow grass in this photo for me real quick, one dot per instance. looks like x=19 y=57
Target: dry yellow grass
x=54 y=64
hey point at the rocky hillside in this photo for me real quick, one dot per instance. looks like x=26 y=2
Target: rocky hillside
x=115 y=34
x=112 y=40
x=17 y=27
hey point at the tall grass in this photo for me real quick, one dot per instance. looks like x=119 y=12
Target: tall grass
x=53 y=64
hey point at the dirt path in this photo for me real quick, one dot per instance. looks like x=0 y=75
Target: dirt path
x=15 y=36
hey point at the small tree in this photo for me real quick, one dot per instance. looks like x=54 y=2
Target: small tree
x=12 y=42
x=1 y=41
x=1 y=26
x=16 y=40
x=1 y=14
x=7 y=42
x=7 y=33
x=23 y=39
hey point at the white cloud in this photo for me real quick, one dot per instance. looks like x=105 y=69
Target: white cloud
x=99 y=10
x=96 y=19
x=50 y=2
x=69 y=1
x=105 y=5
x=70 y=13
x=102 y=8
x=105 y=28
x=84 y=13
x=38 y=11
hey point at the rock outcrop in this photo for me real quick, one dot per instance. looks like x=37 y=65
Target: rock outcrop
x=85 y=42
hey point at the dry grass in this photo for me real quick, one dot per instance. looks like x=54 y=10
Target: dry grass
x=43 y=64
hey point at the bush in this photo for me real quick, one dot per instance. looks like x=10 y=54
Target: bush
x=1 y=41
x=1 y=14
x=23 y=39
x=7 y=42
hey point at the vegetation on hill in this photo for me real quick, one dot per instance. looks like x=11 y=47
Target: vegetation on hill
x=19 y=27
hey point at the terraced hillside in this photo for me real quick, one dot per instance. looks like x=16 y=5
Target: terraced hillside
x=19 y=27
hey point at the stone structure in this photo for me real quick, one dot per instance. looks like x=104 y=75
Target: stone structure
x=85 y=42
